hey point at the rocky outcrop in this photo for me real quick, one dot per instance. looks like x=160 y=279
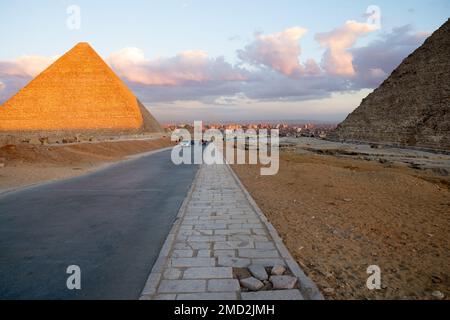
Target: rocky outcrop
x=79 y=94
x=412 y=107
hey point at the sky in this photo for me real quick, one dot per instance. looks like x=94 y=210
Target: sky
x=225 y=60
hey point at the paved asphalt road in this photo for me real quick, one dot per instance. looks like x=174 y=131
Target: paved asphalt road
x=111 y=223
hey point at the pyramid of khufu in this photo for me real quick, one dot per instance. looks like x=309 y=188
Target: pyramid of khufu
x=412 y=107
x=78 y=94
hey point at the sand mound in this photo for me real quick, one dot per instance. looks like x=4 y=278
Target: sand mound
x=76 y=154
x=25 y=164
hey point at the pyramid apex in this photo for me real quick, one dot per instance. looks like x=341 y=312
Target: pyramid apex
x=83 y=44
x=82 y=48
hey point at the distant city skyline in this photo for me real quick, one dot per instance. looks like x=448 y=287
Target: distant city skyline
x=254 y=122
x=225 y=61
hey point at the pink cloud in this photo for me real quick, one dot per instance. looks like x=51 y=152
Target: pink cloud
x=14 y=74
x=311 y=67
x=26 y=66
x=188 y=66
x=279 y=51
x=337 y=59
x=375 y=61
x=276 y=72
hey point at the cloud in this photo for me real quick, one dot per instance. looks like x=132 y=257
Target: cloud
x=2 y=89
x=185 y=67
x=269 y=68
x=279 y=51
x=237 y=99
x=337 y=59
x=11 y=84
x=186 y=91
x=25 y=66
x=273 y=86
x=369 y=66
x=15 y=74
x=375 y=62
x=333 y=108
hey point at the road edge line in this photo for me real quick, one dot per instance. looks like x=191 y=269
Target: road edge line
x=154 y=278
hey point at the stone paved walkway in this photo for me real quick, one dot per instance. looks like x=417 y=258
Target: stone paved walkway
x=219 y=228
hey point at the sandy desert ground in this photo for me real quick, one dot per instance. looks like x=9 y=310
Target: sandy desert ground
x=339 y=212
x=27 y=164
x=339 y=208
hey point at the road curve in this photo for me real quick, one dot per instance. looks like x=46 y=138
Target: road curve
x=111 y=223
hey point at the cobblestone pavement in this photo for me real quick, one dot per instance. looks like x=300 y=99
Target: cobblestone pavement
x=219 y=228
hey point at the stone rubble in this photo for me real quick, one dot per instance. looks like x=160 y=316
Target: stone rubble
x=278 y=270
x=259 y=272
x=438 y=295
x=283 y=282
x=252 y=284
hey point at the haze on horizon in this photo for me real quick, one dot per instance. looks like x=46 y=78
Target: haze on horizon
x=227 y=61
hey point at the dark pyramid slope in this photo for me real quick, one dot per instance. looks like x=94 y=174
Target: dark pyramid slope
x=412 y=107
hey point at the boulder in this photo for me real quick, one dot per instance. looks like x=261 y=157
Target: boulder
x=259 y=272
x=278 y=270
x=252 y=284
x=283 y=282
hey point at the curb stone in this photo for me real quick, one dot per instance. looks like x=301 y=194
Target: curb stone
x=185 y=288
x=154 y=277
x=307 y=287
